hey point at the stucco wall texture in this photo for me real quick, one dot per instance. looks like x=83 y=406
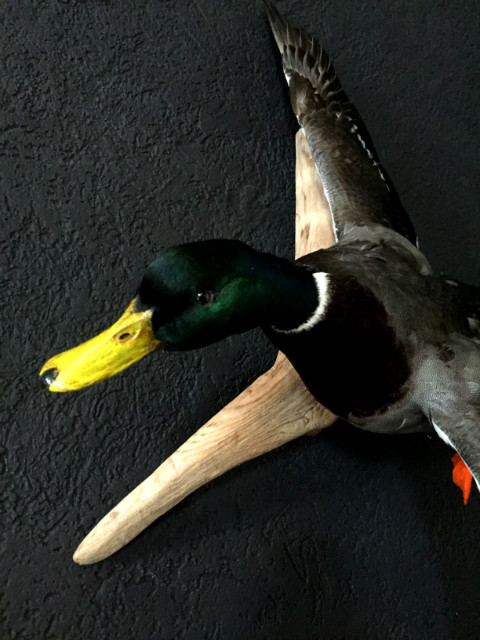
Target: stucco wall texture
x=130 y=126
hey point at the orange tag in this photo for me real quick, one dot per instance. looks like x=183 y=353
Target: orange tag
x=462 y=476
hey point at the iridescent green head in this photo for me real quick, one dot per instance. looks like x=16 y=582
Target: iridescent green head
x=190 y=296
x=204 y=291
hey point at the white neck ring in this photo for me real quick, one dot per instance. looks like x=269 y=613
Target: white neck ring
x=322 y=282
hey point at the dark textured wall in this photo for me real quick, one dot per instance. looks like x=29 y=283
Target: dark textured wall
x=128 y=126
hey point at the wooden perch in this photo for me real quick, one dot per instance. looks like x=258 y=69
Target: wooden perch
x=273 y=410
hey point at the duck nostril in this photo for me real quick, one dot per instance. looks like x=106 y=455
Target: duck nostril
x=48 y=377
x=123 y=336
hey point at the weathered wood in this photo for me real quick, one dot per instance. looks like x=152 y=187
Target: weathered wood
x=313 y=220
x=273 y=410
x=276 y=408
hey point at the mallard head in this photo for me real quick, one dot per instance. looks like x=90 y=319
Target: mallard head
x=190 y=296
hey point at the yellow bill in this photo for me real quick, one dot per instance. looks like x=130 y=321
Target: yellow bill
x=128 y=340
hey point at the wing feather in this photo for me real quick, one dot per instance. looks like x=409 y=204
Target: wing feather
x=357 y=187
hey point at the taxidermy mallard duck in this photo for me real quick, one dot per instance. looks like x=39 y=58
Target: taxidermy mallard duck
x=375 y=336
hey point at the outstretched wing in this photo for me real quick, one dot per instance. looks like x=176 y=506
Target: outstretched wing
x=356 y=186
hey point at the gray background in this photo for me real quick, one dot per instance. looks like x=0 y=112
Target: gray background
x=129 y=126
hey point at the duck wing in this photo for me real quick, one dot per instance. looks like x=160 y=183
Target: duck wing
x=358 y=189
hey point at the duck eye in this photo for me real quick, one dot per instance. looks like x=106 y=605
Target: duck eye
x=204 y=298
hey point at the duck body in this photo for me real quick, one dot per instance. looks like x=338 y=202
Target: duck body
x=391 y=336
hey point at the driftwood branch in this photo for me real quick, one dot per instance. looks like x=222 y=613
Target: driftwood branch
x=273 y=410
